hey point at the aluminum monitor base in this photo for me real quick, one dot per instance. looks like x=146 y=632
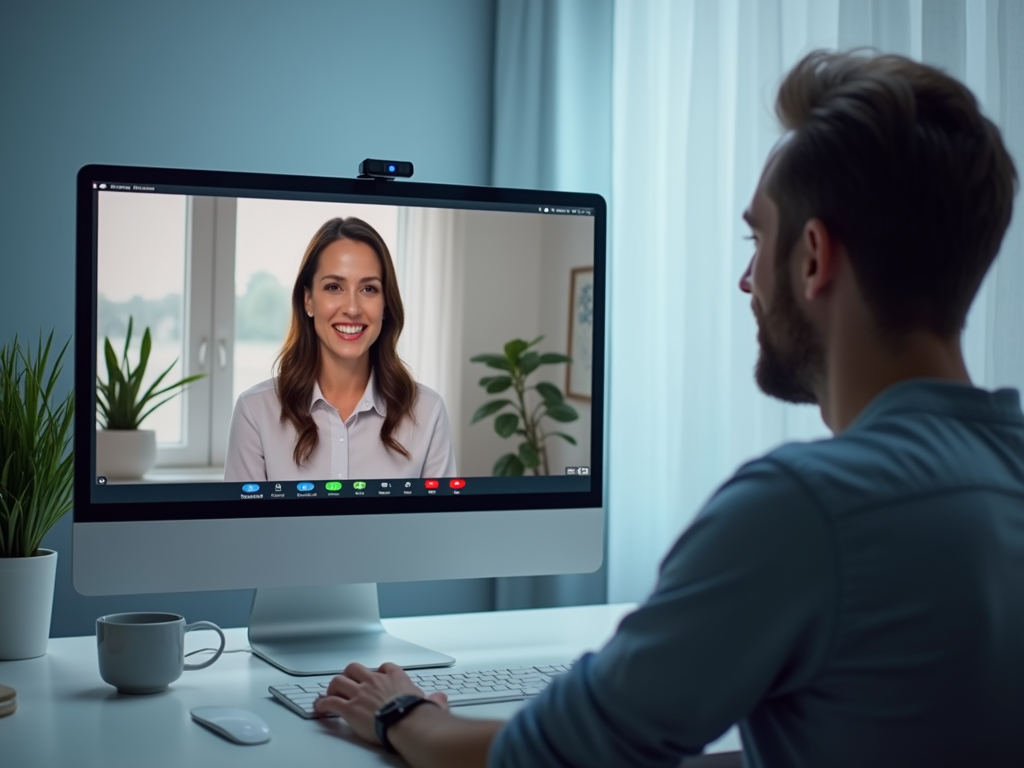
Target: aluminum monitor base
x=321 y=630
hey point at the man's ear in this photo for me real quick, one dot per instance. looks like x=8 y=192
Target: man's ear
x=819 y=258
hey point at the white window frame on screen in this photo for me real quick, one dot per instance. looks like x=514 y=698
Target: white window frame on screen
x=209 y=309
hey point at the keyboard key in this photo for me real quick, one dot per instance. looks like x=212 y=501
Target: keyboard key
x=461 y=687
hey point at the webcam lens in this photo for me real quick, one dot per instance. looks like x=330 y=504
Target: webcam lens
x=392 y=168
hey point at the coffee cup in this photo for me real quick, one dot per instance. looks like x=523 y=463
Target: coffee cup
x=145 y=652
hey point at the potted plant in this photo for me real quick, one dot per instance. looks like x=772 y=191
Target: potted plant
x=123 y=451
x=36 y=470
x=523 y=414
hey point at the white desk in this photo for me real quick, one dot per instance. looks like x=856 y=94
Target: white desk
x=68 y=717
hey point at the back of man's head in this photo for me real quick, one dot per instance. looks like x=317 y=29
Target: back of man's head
x=903 y=169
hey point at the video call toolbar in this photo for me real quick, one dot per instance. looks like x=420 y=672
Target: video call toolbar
x=326 y=489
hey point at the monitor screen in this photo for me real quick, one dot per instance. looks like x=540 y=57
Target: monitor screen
x=495 y=295
x=265 y=360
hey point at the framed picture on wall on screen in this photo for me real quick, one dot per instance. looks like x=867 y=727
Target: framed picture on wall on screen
x=578 y=375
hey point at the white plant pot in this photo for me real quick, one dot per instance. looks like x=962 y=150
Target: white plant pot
x=125 y=454
x=26 y=603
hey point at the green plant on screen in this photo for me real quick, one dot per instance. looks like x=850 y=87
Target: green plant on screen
x=121 y=402
x=523 y=414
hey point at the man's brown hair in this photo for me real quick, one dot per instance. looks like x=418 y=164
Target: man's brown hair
x=896 y=159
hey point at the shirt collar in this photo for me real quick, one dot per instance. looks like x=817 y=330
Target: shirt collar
x=942 y=397
x=370 y=399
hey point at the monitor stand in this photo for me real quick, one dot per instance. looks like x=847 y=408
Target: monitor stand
x=321 y=630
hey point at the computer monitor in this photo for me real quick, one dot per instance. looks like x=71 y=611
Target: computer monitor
x=492 y=467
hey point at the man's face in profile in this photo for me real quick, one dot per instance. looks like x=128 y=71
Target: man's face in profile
x=790 y=363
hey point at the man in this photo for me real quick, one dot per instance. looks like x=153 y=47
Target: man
x=857 y=601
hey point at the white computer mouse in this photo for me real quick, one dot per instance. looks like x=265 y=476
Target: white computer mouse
x=238 y=725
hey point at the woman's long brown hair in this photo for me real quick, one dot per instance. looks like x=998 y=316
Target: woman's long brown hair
x=299 y=361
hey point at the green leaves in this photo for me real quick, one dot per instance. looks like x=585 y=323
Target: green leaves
x=505 y=425
x=508 y=465
x=528 y=455
x=528 y=363
x=487 y=409
x=493 y=361
x=514 y=465
x=552 y=395
x=118 y=400
x=514 y=349
x=551 y=358
x=518 y=361
x=496 y=384
x=36 y=461
x=562 y=412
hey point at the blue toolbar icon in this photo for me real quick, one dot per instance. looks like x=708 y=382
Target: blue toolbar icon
x=305 y=487
x=250 y=488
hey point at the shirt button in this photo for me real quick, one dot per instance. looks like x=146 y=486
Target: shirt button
x=341 y=439
x=366 y=403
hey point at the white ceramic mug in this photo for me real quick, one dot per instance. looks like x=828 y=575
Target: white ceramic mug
x=145 y=652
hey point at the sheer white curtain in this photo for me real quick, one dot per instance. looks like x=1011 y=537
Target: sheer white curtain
x=552 y=130
x=429 y=265
x=693 y=87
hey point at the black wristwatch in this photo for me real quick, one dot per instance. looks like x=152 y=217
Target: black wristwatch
x=393 y=711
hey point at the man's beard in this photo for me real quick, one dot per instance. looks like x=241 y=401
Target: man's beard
x=791 y=363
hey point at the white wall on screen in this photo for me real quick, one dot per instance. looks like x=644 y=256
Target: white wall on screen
x=501 y=302
x=567 y=243
x=516 y=284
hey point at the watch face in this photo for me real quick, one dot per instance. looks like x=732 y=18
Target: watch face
x=397 y=704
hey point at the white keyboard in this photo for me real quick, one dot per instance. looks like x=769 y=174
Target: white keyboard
x=477 y=686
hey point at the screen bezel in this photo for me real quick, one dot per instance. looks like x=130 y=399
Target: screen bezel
x=439 y=195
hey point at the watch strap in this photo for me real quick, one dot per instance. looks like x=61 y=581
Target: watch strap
x=393 y=711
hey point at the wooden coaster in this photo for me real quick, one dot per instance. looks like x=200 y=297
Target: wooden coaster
x=8 y=700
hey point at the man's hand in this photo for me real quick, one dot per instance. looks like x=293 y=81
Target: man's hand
x=357 y=693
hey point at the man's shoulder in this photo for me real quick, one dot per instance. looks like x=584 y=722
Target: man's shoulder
x=902 y=456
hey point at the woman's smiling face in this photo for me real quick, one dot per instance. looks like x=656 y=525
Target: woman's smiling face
x=346 y=299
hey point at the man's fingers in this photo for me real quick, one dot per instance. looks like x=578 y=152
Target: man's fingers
x=342 y=686
x=440 y=698
x=358 y=672
x=388 y=668
x=330 y=705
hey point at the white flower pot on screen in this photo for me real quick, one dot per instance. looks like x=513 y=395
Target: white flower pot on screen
x=125 y=454
x=26 y=603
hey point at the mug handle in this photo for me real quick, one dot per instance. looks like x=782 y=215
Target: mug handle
x=215 y=628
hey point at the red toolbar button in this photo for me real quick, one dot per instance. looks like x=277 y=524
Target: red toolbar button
x=456 y=483
x=431 y=484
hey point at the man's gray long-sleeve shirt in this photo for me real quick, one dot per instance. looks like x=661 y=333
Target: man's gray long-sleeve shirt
x=857 y=601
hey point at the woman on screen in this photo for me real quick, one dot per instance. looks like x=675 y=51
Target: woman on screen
x=343 y=405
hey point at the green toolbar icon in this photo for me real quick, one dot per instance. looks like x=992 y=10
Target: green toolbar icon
x=359 y=485
x=333 y=486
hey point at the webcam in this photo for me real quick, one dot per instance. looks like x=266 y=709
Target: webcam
x=384 y=169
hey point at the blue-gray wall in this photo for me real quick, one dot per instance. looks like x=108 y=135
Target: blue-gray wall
x=304 y=86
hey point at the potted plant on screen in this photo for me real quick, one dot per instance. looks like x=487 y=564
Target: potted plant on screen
x=521 y=414
x=123 y=450
x=36 y=470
